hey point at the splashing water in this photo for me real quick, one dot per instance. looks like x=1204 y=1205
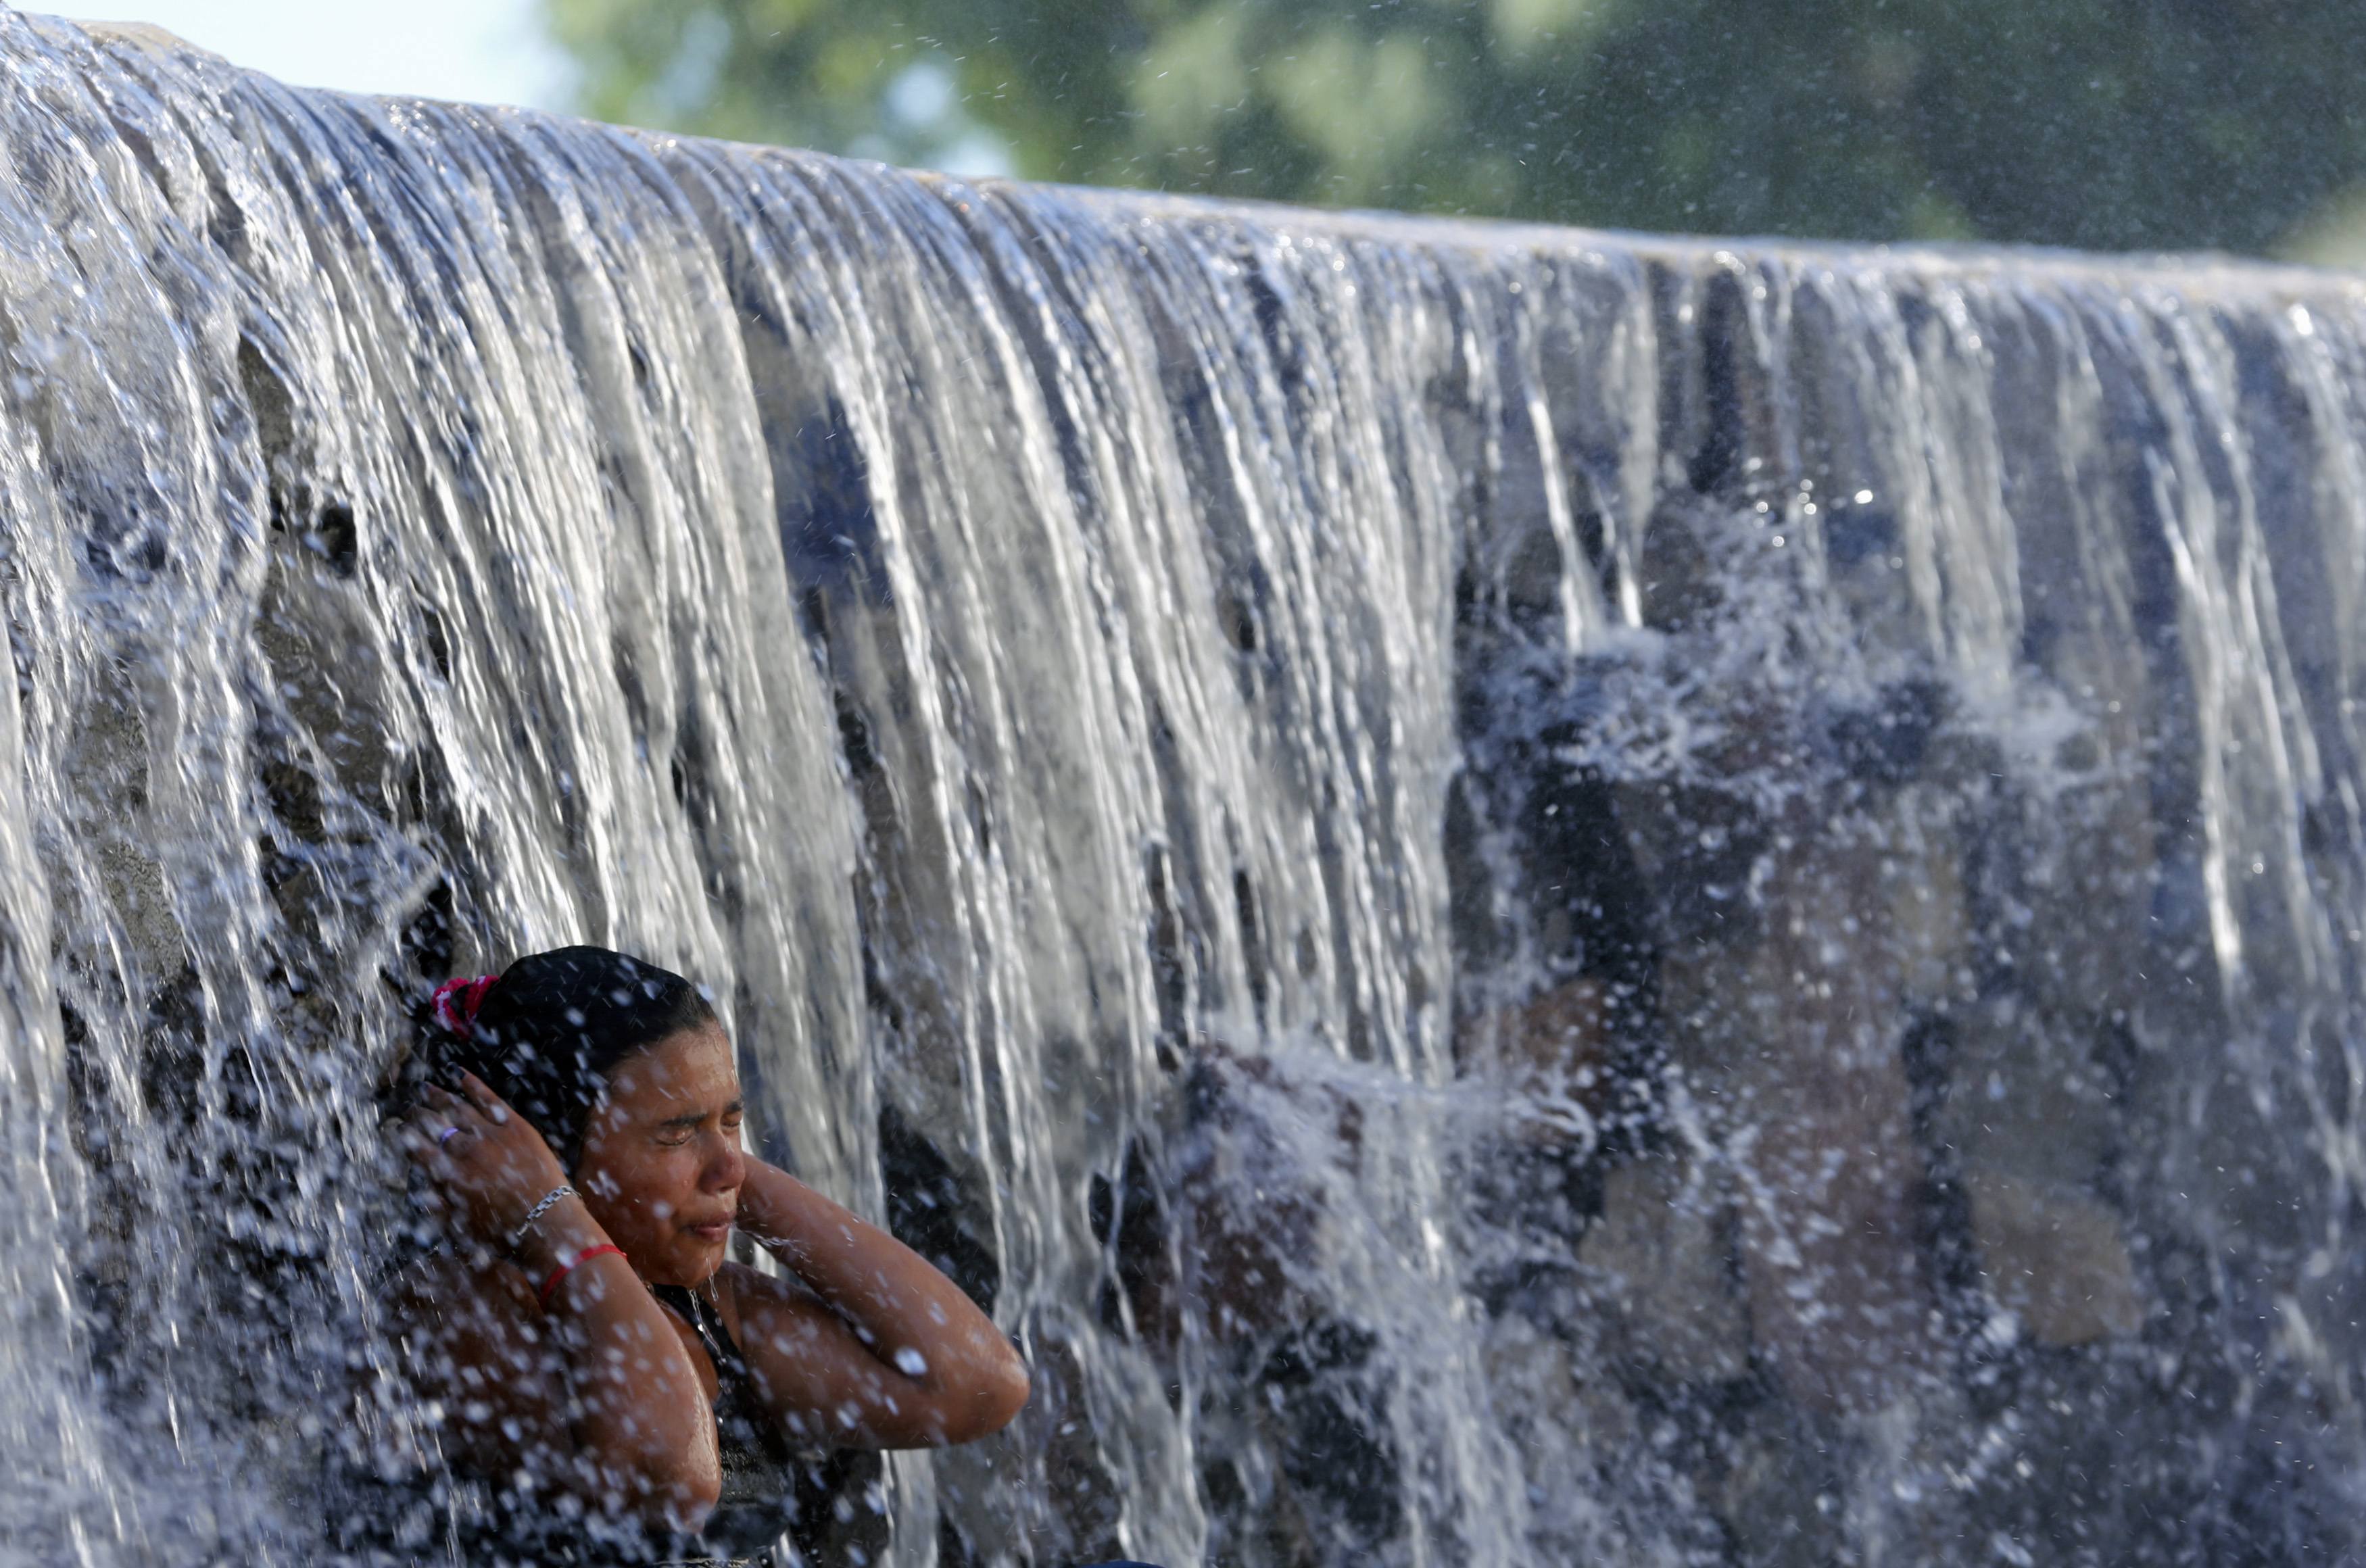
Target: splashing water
x=1516 y=896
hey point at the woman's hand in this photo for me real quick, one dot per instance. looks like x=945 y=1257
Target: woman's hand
x=489 y=1163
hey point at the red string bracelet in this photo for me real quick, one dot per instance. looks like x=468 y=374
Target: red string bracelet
x=558 y=1276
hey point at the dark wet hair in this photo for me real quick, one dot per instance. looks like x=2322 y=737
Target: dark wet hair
x=545 y=1035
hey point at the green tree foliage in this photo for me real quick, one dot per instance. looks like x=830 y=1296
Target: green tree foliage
x=2111 y=124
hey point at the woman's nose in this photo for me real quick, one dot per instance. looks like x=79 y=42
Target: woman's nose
x=727 y=1170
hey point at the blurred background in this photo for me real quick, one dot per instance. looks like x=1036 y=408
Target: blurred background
x=2232 y=125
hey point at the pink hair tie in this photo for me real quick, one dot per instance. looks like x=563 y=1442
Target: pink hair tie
x=456 y=1001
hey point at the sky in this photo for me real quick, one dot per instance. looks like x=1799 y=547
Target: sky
x=490 y=51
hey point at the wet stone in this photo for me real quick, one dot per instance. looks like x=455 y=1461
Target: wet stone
x=1792 y=1044
x=2053 y=1256
x=1326 y=1413
x=1252 y=1219
x=1553 y=1044
x=934 y=1211
x=2031 y=1124
x=1697 y=849
x=1662 y=1245
x=1778 y=1495
x=2017 y=1100
x=135 y=884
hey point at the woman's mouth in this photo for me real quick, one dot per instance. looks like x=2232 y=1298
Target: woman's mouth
x=714 y=1230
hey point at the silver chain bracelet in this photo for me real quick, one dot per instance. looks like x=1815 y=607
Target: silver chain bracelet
x=560 y=1192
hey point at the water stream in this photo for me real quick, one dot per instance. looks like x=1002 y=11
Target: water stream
x=1518 y=896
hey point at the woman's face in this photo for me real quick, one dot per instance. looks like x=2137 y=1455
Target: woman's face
x=661 y=1168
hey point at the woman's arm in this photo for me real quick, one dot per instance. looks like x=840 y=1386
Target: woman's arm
x=642 y=1429
x=891 y=1355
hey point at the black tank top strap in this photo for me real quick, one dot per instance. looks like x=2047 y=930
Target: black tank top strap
x=707 y=1322
x=768 y=1486
x=831 y=1499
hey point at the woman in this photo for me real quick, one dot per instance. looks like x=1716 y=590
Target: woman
x=598 y=1356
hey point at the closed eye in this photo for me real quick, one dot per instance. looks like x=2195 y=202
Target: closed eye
x=675 y=1132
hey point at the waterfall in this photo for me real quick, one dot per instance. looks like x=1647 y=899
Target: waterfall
x=1517 y=896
